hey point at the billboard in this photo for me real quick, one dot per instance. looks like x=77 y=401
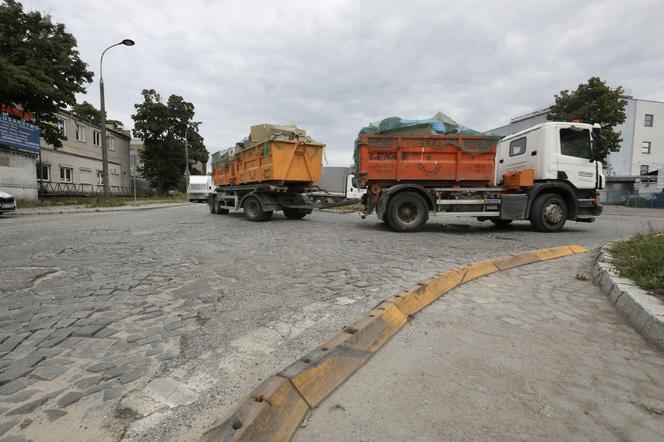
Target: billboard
x=18 y=134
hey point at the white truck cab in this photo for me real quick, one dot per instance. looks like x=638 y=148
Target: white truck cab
x=555 y=151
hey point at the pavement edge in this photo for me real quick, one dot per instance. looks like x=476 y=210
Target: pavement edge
x=98 y=210
x=644 y=311
x=274 y=410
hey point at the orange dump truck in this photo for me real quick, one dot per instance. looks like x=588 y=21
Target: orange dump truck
x=546 y=174
x=269 y=171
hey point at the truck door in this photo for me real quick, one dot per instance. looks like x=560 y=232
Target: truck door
x=512 y=156
x=575 y=157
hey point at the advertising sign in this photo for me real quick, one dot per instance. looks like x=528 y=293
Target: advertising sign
x=660 y=179
x=18 y=135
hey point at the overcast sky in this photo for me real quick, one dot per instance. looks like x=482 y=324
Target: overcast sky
x=331 y=67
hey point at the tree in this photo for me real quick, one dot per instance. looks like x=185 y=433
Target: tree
x=594 y=102
x=40 y=65
x=162 y=128
x=86 y=111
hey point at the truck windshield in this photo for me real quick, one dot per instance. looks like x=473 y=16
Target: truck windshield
x=575 y=143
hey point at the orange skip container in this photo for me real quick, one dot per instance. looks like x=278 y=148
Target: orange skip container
x=438 y=160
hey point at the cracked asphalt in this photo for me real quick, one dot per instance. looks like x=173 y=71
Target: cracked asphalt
x=149 y=325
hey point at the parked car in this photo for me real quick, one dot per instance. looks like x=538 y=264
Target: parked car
x=7 y=203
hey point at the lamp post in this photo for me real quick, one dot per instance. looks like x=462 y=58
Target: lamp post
x=104 y=142
x=187 y=174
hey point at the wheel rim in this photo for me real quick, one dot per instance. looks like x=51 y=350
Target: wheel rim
x=251 y=208
x=553 y=213
x=407 y=213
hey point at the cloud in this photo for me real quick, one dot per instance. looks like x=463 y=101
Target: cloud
x=332 y=67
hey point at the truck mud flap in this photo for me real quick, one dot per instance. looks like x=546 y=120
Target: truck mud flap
x=513 y=206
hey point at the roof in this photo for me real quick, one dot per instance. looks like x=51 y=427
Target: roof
x=125 y=134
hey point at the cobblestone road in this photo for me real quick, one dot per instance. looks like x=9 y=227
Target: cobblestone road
x=111 y=323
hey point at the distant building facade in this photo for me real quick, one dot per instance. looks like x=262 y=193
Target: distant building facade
x=642 y=147
x=76 y=168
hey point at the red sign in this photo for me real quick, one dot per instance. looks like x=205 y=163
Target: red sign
x=16 y=112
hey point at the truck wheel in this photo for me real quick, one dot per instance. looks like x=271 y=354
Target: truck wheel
x=501 y=222
x=296 y=213
x=212 y=205
x=407 y=212
x=548 y=213
x=253 y=210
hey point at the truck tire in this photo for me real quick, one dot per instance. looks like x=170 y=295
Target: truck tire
x=296 y=213
x=212 y=205
x=407 y=212
x=253 y=210
x=501 y=222
x=548 y=213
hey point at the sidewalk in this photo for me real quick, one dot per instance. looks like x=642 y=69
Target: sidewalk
x=51 y=210
x=532 y=353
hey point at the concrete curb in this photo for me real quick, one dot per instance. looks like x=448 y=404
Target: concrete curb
x=101 y=209
x=274 y=410
x=643 y=310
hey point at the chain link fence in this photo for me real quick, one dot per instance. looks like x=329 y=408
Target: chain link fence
x=633 y=199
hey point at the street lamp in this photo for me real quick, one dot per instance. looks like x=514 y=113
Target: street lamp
x=187 y=174
x=104 y=142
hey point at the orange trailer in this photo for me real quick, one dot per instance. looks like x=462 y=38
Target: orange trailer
x=269 y=171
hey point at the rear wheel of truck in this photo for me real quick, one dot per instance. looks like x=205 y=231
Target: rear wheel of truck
x=212 y=205
x=407 y=212
x=548 y=213
x=296 y=213
x=253 y=210
x=501 y=222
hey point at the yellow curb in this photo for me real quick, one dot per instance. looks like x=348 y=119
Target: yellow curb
x=274 y=410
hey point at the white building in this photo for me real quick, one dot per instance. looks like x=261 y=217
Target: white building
x=18 y=174
x=642 y=148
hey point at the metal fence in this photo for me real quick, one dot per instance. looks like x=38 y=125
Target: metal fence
x=71 y=189
x=633 y=199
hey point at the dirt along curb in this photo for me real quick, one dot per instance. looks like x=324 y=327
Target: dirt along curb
x=643 y=310
x=274 y=410
x=64 y=211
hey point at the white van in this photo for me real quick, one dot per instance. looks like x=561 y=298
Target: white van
x=199 y=187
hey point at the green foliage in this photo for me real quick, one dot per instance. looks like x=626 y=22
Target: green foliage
x=86 y=111
x=40 y=65
x=640 y=259
x=594 y=102
x=162 y=128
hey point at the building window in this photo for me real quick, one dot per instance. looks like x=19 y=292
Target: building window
x=644 y=170
x=109 y=142
x=650 y=119
x=44 y=173
x=96 y=138
x=114 y=171
x=517 y=147
x=100 y=178
x=62 y=127
x=80 y=133
x=66 y=174
x=645 y=147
